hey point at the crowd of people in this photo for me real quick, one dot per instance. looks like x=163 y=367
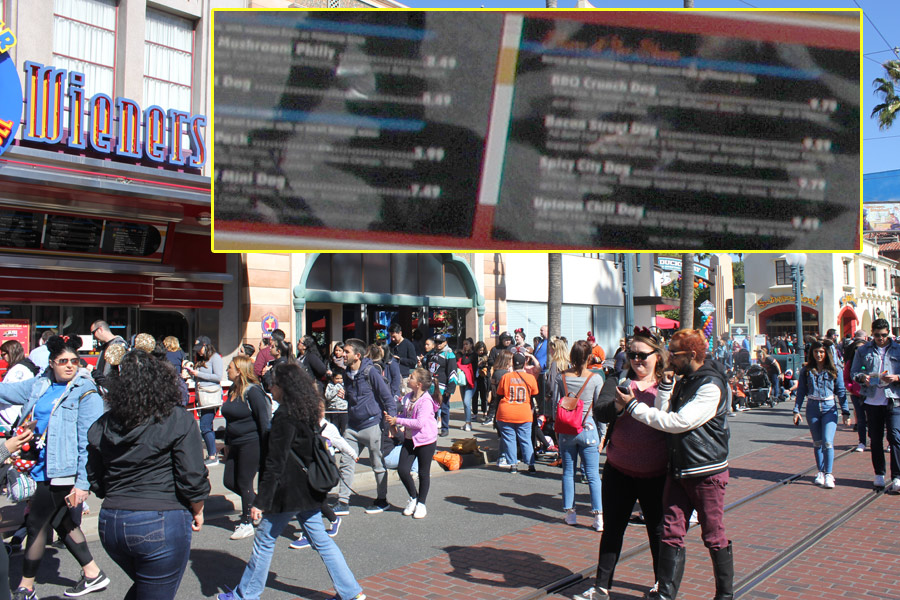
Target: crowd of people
x=658 y=408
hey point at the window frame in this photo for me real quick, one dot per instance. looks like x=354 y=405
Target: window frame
x=783 y=273
x=115 y=32
x=144 y=75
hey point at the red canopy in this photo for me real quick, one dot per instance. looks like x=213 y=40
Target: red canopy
x=666 y=323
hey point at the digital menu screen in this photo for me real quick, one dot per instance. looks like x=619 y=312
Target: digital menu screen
x=570 y=129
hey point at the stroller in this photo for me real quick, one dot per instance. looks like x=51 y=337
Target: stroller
x=760 y=387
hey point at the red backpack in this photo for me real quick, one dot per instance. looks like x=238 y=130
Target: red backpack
x=569 y=409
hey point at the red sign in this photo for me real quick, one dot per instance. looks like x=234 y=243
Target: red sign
x=16 y=329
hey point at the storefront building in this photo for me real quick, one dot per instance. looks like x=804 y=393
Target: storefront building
x=844 y=291
x=104 y=173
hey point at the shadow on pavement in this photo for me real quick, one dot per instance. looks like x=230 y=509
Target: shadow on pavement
x=508 y=565
x=492 y=508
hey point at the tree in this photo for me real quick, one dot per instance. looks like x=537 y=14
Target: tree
x=554 y=294
x=887 y=110
x=551 y=3
x=686 y=308
x=737 y=271
x=689 y=3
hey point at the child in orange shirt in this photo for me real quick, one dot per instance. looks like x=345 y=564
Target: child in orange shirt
x=515 y=414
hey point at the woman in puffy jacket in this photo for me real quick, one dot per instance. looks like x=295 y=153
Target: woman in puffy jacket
x=822 y=387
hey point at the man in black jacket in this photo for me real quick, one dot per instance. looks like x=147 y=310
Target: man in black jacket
x=403 y=352
x=697 y=439
x=106 y=338
x=442 y=365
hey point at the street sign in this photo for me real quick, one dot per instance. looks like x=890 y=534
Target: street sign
x=707 y=308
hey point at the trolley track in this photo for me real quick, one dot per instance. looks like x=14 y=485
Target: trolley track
x=750 y=581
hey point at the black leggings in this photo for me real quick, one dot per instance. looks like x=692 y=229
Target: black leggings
x=48 y=509
x=241 y=467
x=482 y=389
x=423 y=454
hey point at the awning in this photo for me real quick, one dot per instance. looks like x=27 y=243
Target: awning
x=666 y=323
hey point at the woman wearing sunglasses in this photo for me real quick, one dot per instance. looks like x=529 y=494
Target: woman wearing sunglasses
x=636 y=459
x=64 y=401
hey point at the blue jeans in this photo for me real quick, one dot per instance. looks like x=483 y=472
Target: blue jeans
x=392 y=460
x=822 y=426
x=152 y=547
x=468 y=394
x=445 y=411
x=207 y=415
x=253 y=582
x=511 y=435
x=587 y=445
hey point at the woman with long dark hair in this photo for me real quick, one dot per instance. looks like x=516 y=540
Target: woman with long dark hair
x=145 y=461
x=284 y=491
x=246 y=425
x=467 y=361
x=482 y=380
x=208 y=372
x=281 y=354
x=310 y=359
x=819 y=383
x=636 y=458
x=64 y=402
x=18 y=366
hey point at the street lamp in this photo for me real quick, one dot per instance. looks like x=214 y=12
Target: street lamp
x=797 y=261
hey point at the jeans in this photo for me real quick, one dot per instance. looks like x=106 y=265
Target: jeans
x=467 y=394
x=445 y=410
x=879 y=419
x=587 y=445
x=706 y=495
x=392 y=460
x=512 y=435
x=152 y=547
x=207 y=415
x=370 y=438
x=253 y=582
x=822 y=427
x=860 y=410
x=619 y=494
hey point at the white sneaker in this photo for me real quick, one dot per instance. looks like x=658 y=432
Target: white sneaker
x=597 y=525
x=243 y=530
x=502 y=463
x=694 y=518
x=594 y=593
x=571 y=518
x=860 y=448
x=894 y=487
x=828 y=484
x=820 y=479
x=879 y=481
x=420 y=512
x=410 y=507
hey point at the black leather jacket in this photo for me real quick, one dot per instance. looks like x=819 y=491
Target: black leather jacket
x=702 y=451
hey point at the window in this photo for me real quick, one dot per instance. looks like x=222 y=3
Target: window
x=168 y=61
x=782 y=273
x=887 y=284
x=870 y=275
x=609 y=324
x=84 y=40
x=846 y=272
x=576 y=322
x=529 y=316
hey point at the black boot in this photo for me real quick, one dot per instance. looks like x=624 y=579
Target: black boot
x=669 y=572
x=723 y=571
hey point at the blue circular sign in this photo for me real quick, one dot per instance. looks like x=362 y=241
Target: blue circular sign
x=10 y=101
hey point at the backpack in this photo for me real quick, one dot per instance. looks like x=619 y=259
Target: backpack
x=271 y=405
x=321 y=472
x=31 y=366
x=569 y=410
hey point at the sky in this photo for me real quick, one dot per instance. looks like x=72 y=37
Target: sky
x=881 y=33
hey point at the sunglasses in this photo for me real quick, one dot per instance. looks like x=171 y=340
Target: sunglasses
x=64 y=361
x=639 y=355
x=880 y=335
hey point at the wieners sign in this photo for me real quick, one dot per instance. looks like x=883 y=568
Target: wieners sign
x=99 y=123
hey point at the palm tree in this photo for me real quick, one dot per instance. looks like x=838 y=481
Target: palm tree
x=887 y=110
x=551 y=3
x=686 y=307
x=554 y=294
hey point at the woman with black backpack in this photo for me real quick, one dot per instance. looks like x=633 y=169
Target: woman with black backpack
x=285 y=490
x=246 y=427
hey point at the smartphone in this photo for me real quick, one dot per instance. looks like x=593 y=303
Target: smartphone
x=70 y=500
x=624 y=389
x=29 y=424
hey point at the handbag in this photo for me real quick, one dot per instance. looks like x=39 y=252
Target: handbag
x=321 y=472
x=208 y=399
x=20 y=486
x=569 y=410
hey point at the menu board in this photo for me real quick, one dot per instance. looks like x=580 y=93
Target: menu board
x=37 y=232
x=555 y=129
x=19 y=229
x=130 y=239
x=73 y=234
x=367 y=121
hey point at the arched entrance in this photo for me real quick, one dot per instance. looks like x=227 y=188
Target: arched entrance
x=782 y=320
x=847 y=320
x=359 y=295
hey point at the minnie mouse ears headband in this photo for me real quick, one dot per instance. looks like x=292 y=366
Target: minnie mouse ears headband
x=646 y=333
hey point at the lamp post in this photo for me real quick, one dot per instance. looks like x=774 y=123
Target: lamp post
x=797 y=261
x=628 y=261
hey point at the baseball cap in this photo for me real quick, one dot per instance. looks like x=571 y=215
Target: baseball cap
x=518 y=360
x=440 y=338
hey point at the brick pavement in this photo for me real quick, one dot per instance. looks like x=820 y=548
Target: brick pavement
x=518 y=565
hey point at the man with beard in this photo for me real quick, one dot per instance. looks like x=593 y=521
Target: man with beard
x=693 y=417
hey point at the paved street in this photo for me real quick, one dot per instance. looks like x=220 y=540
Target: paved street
x=490 y=534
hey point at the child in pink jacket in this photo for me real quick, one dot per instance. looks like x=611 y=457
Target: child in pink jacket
x=416 y=417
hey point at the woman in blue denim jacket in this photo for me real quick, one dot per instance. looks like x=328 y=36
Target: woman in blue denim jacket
x=64 y=402
x=821 y=384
